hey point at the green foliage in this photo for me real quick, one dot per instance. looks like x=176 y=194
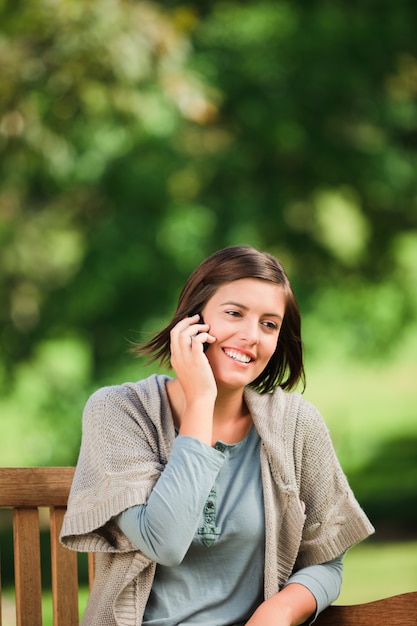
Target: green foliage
x=135 y=139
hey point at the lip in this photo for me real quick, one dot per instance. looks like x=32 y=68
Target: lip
x=240 y=351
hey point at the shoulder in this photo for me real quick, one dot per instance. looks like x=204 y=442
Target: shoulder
x=283 y=406
x=147 y=388
x=146 y=397
x=287 y=424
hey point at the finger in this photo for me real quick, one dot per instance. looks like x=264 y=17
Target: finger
x=184 y=330
x=183 y=326
x=201 y=338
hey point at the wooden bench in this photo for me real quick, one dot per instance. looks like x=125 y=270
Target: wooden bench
x=400 y=610
x=26 y=489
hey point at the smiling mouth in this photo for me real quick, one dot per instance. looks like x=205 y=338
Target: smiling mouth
x=238 y=356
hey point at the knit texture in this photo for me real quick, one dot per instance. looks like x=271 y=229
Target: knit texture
x=311 y=514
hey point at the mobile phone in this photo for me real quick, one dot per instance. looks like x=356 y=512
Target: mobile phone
x=205 y=344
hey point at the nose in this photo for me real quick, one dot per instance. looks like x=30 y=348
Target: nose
x=250 y=332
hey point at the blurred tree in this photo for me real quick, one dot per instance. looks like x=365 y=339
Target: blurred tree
x=319 y=116
x=91 y=96
x=137 y=137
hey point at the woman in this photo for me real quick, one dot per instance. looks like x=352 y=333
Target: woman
x=214 y=497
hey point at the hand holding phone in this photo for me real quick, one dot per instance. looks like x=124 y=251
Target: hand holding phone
x=205 y=344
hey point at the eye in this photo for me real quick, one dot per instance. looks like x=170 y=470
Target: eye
x=233 y=313
x=270 y=325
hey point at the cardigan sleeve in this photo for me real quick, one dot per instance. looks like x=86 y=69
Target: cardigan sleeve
x=121 y=457
x=334 y=519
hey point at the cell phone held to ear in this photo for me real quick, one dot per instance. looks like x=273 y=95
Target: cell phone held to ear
x=205 y=344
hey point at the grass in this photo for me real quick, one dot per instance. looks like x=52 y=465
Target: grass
x=375 y=570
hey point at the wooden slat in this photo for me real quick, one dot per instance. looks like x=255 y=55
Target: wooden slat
x=64 y=575
x=35 y=486
x=91 y=570
x=27 y=567
x=400 y=610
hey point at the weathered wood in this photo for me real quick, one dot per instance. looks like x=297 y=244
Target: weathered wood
x=25 y=490
x=64 y=575
x=400 y=610
x=91 y=570
x=35 y=486
x=27 y=567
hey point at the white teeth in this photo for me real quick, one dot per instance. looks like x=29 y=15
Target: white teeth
x=238 y=356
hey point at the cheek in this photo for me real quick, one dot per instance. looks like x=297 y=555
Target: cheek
x=272 y=346
x=220 y=331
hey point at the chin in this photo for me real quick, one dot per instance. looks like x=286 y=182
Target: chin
x=234 y=382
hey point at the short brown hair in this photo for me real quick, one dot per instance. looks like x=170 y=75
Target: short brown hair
x=285 y=367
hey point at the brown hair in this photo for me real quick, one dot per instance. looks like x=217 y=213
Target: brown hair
x=285 y=367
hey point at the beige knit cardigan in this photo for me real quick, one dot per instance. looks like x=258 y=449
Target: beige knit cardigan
x=311 y=514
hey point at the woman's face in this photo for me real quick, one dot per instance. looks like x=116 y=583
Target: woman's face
x=245 y=316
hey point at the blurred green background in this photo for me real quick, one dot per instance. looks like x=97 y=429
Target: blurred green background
x=136 y=138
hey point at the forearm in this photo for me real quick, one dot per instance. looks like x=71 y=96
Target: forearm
x=197 y=420
x=321 y=584
x=324 y=581
x=290 y=607
x=195 y=383
x=163 y=528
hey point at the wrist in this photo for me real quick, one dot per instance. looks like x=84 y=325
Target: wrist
x=197 y=420
x=290 y=607
x=269 y=615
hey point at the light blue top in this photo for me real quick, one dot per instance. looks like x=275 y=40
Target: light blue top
x=204 y=526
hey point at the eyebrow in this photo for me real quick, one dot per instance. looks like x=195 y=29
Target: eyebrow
x=245 y=308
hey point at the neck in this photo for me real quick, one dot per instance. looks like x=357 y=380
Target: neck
x=230 y=407
x=231 y=418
